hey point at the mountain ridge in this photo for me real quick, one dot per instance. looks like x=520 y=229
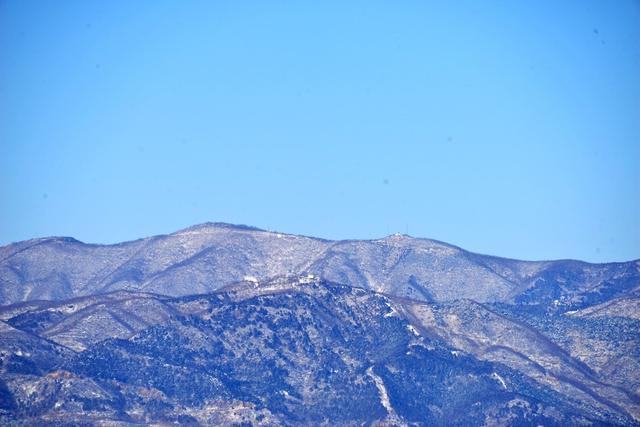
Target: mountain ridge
x=244 y=227
x=203 y=257
x=223 y=324
x=369 y=341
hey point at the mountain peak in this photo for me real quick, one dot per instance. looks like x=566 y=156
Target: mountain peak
x=54 y=239
x=210 y=226
x=398 y=237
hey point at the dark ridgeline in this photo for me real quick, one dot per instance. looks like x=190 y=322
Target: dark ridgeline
x=220 y=324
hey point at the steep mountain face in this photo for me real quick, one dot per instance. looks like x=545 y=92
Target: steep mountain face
x=220 y=324
x=204 y=258
x=294 y=351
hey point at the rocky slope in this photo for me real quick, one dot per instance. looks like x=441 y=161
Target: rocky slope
x=207 y=257
x=220 y=324
x=291 y=351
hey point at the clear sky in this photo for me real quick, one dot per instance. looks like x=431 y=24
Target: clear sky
x=510 y=128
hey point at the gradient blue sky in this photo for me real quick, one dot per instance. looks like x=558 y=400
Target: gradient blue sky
x=509 y=128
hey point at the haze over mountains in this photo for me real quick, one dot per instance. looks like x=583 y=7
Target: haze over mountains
x=224 y=324
x=206 y=257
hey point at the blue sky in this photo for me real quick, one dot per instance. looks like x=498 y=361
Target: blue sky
x=509 y=128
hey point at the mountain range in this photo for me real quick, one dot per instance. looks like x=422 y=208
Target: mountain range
x=225 y=324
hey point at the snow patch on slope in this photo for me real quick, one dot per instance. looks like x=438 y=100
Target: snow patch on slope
x=384 y=397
